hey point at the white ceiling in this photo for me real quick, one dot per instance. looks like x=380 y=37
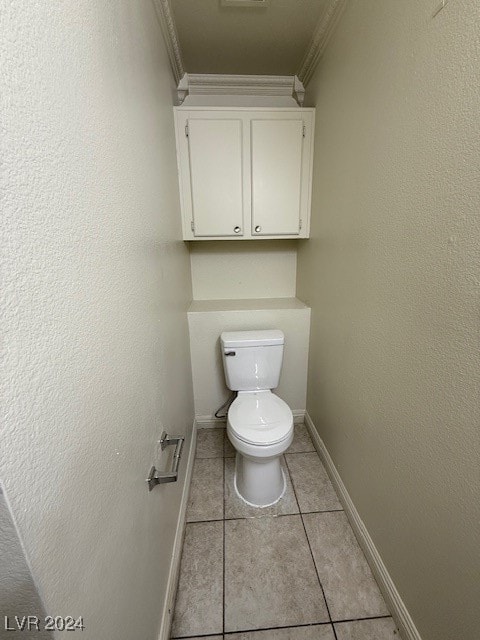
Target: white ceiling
x=269 y=40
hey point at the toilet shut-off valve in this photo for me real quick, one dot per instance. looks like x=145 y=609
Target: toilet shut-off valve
x=161 y=477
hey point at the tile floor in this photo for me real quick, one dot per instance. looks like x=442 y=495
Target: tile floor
x=293 y=571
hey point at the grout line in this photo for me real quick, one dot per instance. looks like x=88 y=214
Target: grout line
x=293 y=626
x=305 y=625
x=285 y=464
x=206 y=636
x=200 y=521
x=313 y=560
x=296 y=453
x=223 y=492
x=223 y=601
x=307 y=513
x=292 y=483
x=267 y=515
x=360 y=619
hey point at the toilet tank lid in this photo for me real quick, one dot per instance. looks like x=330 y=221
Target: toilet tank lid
x=261 y=338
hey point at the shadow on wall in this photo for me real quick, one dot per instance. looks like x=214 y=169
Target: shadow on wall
x=19 y=597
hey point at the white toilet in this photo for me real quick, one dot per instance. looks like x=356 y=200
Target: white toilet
x=259 y=423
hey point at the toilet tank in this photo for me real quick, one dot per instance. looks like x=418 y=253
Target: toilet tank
x=252 y=360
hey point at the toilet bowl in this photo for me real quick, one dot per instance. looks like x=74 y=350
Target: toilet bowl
x=260 y=428
x=259 y=423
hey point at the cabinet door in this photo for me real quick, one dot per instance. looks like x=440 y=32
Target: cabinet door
x=216 y=177
x=277 y=158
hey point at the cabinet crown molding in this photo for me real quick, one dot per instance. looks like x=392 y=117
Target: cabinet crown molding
x=240 y=85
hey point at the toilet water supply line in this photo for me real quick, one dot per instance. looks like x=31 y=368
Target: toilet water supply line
x=226 y=406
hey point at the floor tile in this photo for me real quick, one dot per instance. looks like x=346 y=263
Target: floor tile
x=270 y=578
x=302 y=441
x=206 y=491
x=349 y=586
x=229 y=449
x=380 y=629
x=235 y=507
x=312 y=485
x=315 y=632
x=210 y=443
x=199 y=605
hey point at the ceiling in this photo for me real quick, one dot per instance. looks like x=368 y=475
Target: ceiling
x=270 y=40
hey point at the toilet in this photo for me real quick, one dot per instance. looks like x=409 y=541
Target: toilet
x=259 y=423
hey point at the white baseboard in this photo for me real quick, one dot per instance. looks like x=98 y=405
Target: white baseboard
x=210 y=422
x=174 y=572
x=394 y=602
x=298 y=416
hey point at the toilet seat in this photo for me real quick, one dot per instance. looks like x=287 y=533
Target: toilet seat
x=260 y=418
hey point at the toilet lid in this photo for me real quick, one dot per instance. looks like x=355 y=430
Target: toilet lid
x=260 y=418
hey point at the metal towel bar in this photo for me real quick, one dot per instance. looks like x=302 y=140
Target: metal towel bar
x=161 y=477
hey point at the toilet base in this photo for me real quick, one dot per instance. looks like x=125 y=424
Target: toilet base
x=260 y=482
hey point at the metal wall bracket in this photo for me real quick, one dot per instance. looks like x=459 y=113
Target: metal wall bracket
x=161 y=477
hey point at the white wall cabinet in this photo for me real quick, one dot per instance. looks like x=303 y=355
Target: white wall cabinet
x=244 y=173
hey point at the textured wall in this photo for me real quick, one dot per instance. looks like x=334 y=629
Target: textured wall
x=392 y=274
x=244 y=269
x=18 y=593
x=97 y=284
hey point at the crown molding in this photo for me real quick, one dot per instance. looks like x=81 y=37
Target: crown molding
x=244 y=84
x=220 y=84
x=321 y=36
x=170 y=35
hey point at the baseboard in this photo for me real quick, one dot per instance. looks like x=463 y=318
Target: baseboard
x=394 y=602
x=174 y=571
x=298 y=416
x=210 y=422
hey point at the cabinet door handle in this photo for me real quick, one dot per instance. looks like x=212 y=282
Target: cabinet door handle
x=237 y=229
x=258 y=228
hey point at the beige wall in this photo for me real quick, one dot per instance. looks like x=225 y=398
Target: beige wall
x=243 y=269
x=392 y=274
x=97 y=284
